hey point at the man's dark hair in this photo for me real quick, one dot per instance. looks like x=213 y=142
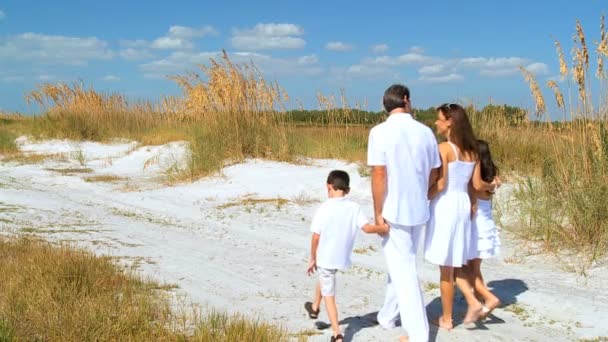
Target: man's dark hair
x=394 y=97
x=339 y=180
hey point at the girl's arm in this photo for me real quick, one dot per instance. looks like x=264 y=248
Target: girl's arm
x=473 y=198
x=478 y=183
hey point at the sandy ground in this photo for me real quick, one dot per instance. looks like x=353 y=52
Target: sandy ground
x=239 y=242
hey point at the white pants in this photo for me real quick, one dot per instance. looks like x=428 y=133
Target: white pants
x=403 y=294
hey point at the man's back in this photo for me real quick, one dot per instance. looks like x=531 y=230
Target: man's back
x=409 y=151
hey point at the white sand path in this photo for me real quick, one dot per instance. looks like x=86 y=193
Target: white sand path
x=250 y=256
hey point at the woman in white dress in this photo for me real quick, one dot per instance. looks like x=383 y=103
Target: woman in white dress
x=485 y=242
x=448 y=232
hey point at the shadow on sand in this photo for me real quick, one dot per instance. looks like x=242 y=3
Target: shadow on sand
x=506 y=290
x=353 y=324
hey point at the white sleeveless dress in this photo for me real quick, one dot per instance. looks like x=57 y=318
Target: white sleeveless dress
x=485 y=242
x=448 y=232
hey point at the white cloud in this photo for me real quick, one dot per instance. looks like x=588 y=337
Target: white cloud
x=339 y=46
x=2 y=15
x=177 y=38
x=416 y=49
x=432 y=69
x=267 y=36
x=307 y=60
x=441 y=69
x=179 y=62
x=493 y=62
x=180 y=37
x=368 y=71
x=494 y=66
x=47 y=49
x=189 y=32
x=442 y=79
x=110 y=78
x=136 y=54
x=408 y=58
x=380 y=48
x=538 y=68
x=172 y=43
x=140 y=43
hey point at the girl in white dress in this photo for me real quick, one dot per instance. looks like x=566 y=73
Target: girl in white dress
x=485 y=242
x=448 y=232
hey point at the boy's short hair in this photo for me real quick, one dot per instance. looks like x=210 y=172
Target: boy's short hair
x=339 y=180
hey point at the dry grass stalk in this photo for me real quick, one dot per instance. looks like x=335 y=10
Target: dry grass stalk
x=563 y=67
x=580 y=38
x=539 y=100
x=559 y=98
x=578 y=72
x=602 y=50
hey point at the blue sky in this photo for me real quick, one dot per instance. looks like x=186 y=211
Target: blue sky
x=443 y=50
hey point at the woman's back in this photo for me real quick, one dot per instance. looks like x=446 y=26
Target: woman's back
x=459 y=172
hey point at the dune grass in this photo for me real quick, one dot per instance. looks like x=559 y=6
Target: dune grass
x=565 y=207
x=52 y=293
x=7 y=141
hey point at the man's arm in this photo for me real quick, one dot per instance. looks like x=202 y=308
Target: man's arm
x=378 y=191
x=314 y=244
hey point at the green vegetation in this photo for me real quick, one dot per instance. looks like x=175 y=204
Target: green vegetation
x=63 y=294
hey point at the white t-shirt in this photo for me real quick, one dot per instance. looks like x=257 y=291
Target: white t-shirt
x=337 y=221
x=409 y=151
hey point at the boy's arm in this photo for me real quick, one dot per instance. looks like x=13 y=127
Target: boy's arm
x=314 y=244
x=375 y=228
x=368 y=228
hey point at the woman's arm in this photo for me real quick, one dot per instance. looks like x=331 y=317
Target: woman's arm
x=439 y=186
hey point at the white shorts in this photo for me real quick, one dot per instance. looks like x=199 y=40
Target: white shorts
x=327 y=279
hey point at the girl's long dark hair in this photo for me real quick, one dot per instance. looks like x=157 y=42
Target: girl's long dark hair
x=461 y=133
x=488 y=168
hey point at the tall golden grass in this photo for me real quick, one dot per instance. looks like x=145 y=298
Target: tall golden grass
x=566 y=207
x=227 y=113
x=63 y=294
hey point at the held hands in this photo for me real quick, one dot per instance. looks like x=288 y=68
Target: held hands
x=496 y=183
x=382 y=225
x=312 y=267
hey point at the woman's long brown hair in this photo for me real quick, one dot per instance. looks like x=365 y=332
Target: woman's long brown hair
x=461 y=132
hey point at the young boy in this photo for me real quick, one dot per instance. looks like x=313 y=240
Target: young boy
x=334 y=228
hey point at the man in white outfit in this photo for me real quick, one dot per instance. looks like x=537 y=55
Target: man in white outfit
x=404 y=158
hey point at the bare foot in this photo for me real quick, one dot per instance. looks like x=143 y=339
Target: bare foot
x=440 y=322
x=489 y=307
x=473 y=314
x=404 y=339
